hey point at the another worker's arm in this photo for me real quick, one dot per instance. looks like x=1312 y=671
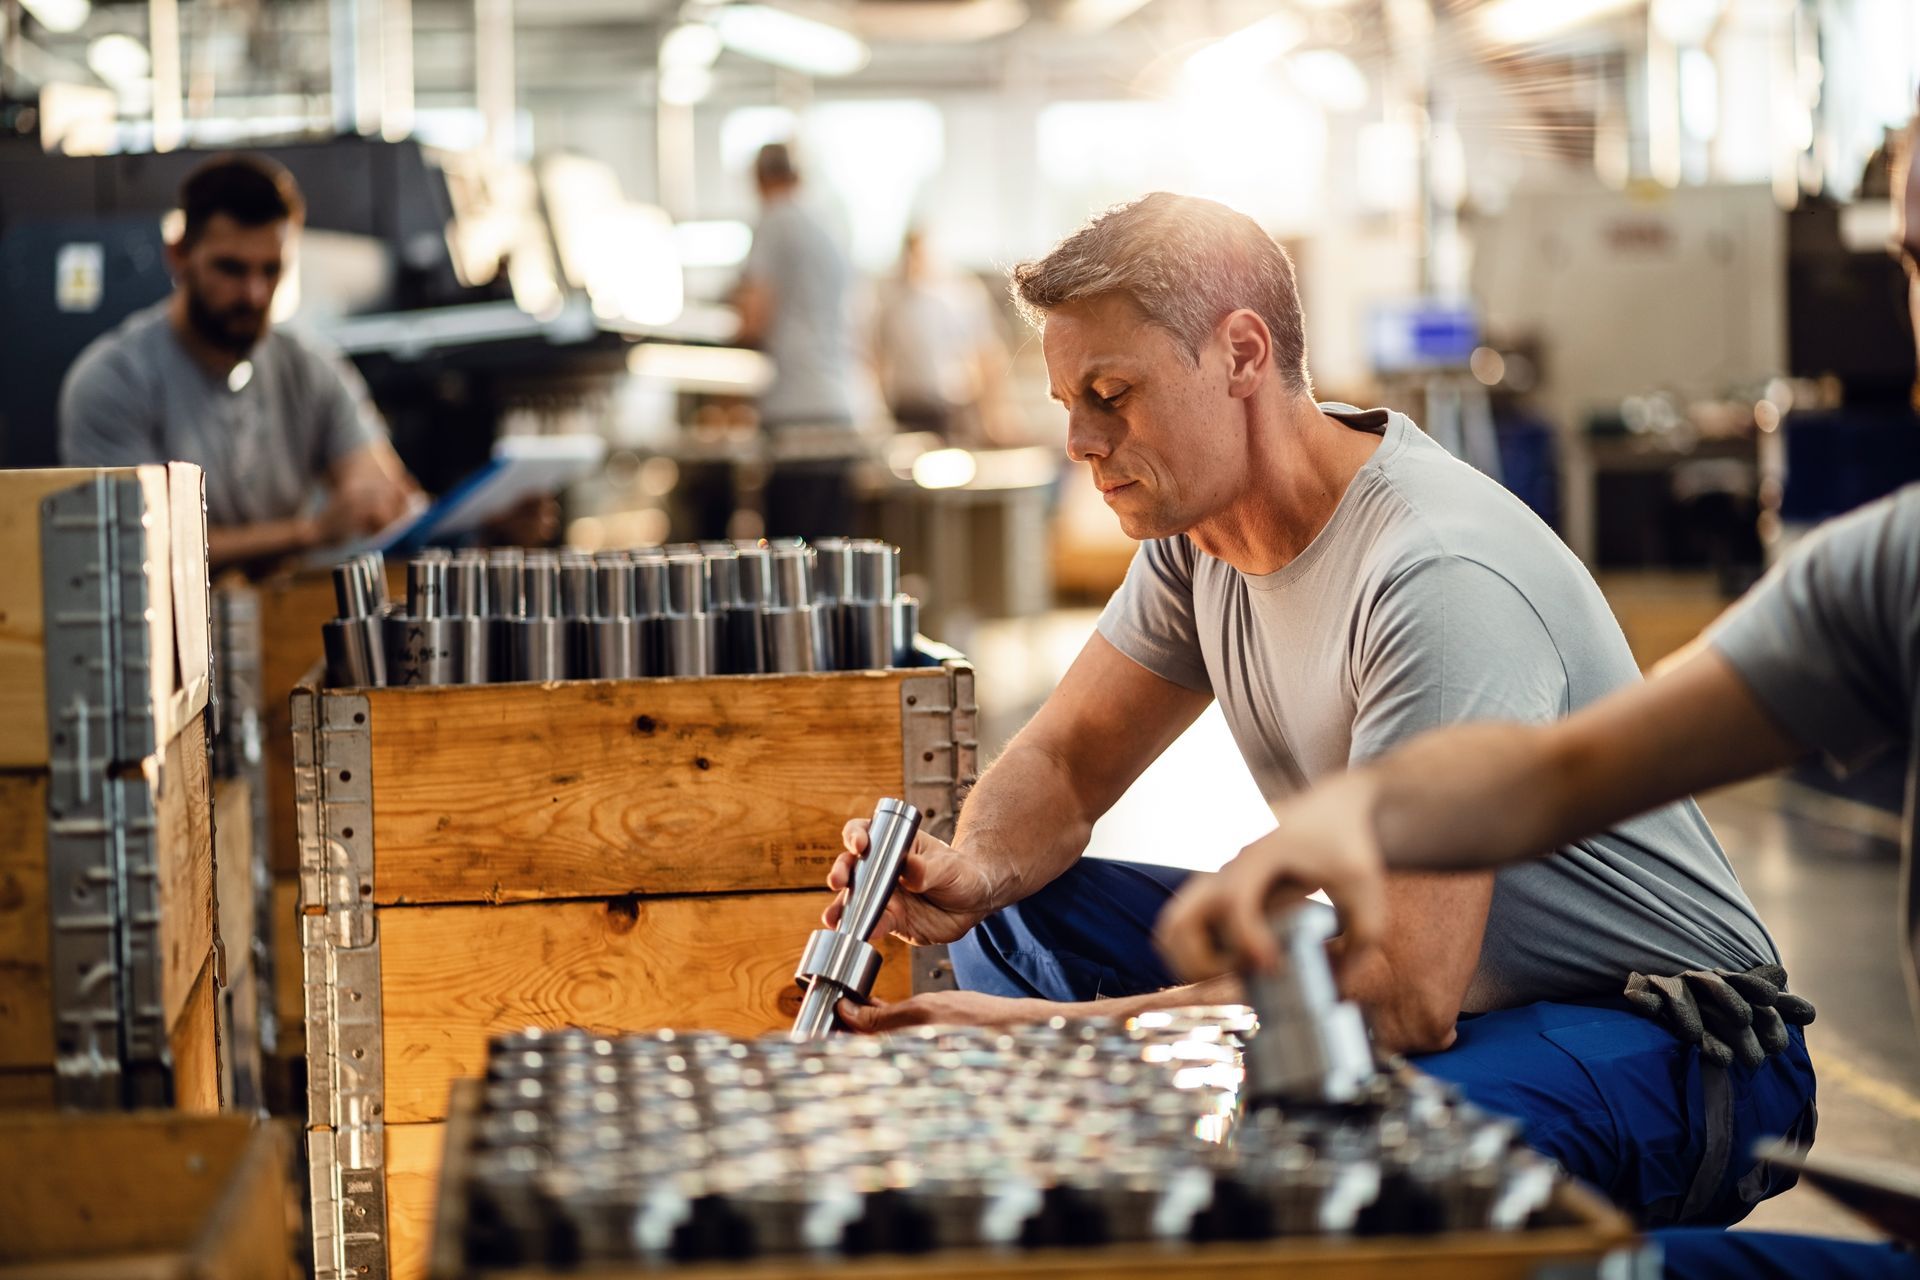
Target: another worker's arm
x=1821 y=656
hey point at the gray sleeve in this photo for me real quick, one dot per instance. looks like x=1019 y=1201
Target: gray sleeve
x=348 y=420
x=765 y=255
x=1829 y=641
x=1450 y=641
x=1150 y=618
x=106 y=419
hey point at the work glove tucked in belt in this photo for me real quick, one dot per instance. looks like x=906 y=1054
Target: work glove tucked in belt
x=1728 y=1014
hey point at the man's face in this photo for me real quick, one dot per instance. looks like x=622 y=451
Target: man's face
x=230 y=275
x=1165 y=440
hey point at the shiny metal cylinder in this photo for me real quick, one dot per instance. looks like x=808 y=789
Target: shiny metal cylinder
x=832 y=569
x=472 y=649
x=1312 y=1047
x=421 y=651
x=649 y=584
x=427 y=587
x=793 y=576
x=615 y=648
x=873 y=571
x=538 y=649
x=356 y=656
x=789 y=638
x=840 y=962
x=351 y=597
x=906 y=629
x=540 y=584
x=865 y=634
x=746 y=641
x=686 y=644
x=686 y=582
x=373 y=569
x=756 y=575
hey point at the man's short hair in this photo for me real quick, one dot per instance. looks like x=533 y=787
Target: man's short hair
x=774 y=166
x=1185 y=263
x=252 y=190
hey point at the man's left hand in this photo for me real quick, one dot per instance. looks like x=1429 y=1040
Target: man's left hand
x=945 y=1008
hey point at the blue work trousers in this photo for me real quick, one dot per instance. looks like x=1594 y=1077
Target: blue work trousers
x=1615 y=1098
x=1699 y=1253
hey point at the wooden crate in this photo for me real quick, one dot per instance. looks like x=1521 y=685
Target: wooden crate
x=180 y=787
x=153 y=1195
x=176 y=585
x=103 y=746
x=618 y=855
x=1580 y=1232
x=237 y=899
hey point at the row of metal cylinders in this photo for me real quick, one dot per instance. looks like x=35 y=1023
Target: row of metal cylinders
x=507 y=614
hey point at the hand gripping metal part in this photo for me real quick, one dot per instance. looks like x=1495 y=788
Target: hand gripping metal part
x=841 y=962
x=1312 y=1046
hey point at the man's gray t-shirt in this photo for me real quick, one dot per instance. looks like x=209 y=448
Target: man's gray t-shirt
x=809 y=334
x=136 y=395
x=1432 y=597
x=1829 y=642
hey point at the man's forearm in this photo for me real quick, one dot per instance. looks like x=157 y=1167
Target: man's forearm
x=1021 y=823
x=240 y=543
x=1225 y=989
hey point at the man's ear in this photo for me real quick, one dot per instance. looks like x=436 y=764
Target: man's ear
x=1249 y=347
x=176 y=249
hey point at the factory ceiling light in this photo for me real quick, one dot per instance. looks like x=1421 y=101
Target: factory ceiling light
x=1525 y=21
x=1247 y=52
x=1330 y=78
x=786 y=39
x=691 y=44
x=59 y=16
x=119 y=60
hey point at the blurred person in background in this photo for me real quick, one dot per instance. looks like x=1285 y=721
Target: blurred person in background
x=794 y=304
x=938 y=351
x=295 y=456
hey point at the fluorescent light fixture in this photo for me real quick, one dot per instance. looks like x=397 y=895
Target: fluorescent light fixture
x=1686 y=22
x=723 y=370
x=788 y=40
x=691 y=44
x=62 y=17
x=1525 y=21
x=1330 y=78
x=1246 y=52
x=684 y=86
x=944 y=469
x=119 y=60
x=720 y=243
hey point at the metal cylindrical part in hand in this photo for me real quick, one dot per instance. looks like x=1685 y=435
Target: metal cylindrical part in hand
x=890 y=837
x=840 y=961
x=789 y=639
x=354 y=660
x=1312 y=1046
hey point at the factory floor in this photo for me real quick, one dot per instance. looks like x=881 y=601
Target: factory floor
x=1822 y=873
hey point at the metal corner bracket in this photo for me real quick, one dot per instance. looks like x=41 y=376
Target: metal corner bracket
x=340 y=944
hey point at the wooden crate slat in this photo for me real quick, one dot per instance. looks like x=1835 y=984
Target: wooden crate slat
x=195 y=1039
x=183 y=803
x=453 y=976
x=604 y=788
x=233 y=866
x=413 y=1182
x=26 y=987
x=101 y=1185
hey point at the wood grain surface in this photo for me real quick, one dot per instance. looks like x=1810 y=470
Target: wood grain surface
x=595 y=788
x=107 y=1184
x=26 y=986
x=413 y=1181
x=453 y=976
x=233 y=867
x=182 y=783
x=195 y=1038
x=289 y=969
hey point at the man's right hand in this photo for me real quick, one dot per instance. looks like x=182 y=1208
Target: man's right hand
x=942 y=893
